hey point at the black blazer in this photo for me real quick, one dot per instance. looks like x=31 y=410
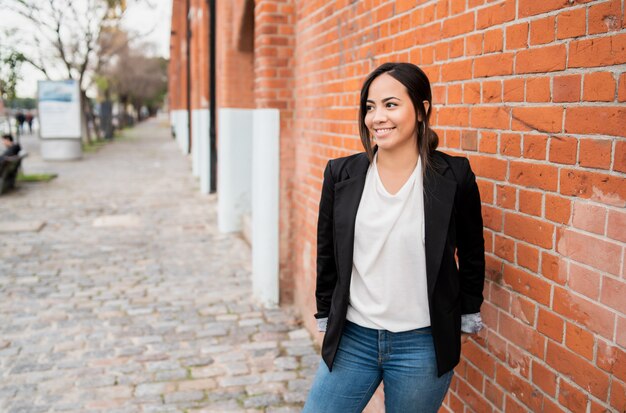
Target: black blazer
x=453 y=224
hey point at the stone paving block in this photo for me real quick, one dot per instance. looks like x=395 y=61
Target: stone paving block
x=148 y=313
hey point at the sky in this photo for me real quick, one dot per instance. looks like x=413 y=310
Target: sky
x=150 y=18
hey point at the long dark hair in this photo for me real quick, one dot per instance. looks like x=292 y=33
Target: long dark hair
x=418 y=87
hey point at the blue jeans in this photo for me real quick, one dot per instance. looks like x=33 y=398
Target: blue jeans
x=405 y=362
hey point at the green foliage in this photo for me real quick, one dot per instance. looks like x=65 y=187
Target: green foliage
x=10 y=64
x=35 y=177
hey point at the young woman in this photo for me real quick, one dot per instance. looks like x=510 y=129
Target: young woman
x=392 y=298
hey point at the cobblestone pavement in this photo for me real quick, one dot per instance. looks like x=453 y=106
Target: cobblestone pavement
x=128 y=299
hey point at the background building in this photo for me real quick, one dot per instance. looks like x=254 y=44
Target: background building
x=532 y=92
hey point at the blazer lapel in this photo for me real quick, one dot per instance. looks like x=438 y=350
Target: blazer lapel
x=347 y=198
x=439 y=195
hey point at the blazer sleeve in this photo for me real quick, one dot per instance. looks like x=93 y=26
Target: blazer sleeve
x=326 y=266
x=470 y=243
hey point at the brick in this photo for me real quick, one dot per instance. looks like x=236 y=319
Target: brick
x=493 y=393
x=544 y=378
x=523 y=309
x=517 y=36
x=588 y=250
x=616 y=225
x=459 y=70
x=489 y=167
x=500 y=64
x=563 y=149
x=579 y=341
x=453 y=116
x=566 y=88
x=522 y=335
x=542 y=30
x=493 y=41
x=474 y=44
x=612 y=359
x=534 y=231
x=457 y=25
x=595 y=153
x=553 y=268
x=500 y=297
x=572 y=397
x=547 y=119
x=471 y=92
x=528 y=8
x=538 y=89
x=541 y=59
x=608 y=189
x=521 y=389
x=499 y=13
x=514 y=406
x=599 y=87
x=535 y=146
x=550 y=325
x=475 y=378
x=571 y=23
x=605 y=17
x=513 y=90
x=530 y=202
x=486 y=190
x=490 y=117
x=613 y=293
x=488 y=142
x=506 y=196
x=600 y=51
x=469 y=140
x=578 y=309
x=492 y=91
x=505 y=248
x=472 y=399
x=479 y=358
x=558 y=209
x=496 y=345
x=510 y=144
x=532 y=175
x=455 y=94
x=618 y=396
x=589 y=217
x=583 y=373
x=584 y=281
x=527 y=256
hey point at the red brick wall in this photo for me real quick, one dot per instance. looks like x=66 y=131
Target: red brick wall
x=235 y=74
x=274 y=42
x=533 y=93
x=178 y=58
x=199 y=54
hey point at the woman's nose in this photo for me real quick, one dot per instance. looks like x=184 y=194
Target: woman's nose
x=379 y=115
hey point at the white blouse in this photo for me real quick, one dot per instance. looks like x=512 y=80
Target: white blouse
x=388 y=289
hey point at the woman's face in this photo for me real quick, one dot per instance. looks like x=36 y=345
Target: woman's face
x=390 y=114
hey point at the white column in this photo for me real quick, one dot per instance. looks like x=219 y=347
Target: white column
x=234 y=153
x=265 y=205
x=205 y=151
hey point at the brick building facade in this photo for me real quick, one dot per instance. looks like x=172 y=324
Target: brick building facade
x=532 y=92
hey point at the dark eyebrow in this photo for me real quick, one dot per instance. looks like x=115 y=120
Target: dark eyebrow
x=385 y=99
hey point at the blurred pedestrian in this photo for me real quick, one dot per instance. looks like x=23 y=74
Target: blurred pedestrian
x=29 y=121
x=391 y=300
x=10 y=147
x=20 y=118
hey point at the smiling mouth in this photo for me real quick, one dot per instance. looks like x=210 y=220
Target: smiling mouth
x=382 y=131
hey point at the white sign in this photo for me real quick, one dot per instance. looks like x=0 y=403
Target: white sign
x=59 y=109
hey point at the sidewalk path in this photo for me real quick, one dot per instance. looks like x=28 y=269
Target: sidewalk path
x=128 y=299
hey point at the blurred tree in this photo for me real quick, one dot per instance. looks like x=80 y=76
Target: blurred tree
x=10 y=62
x=135 y=78
x=66 y=37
